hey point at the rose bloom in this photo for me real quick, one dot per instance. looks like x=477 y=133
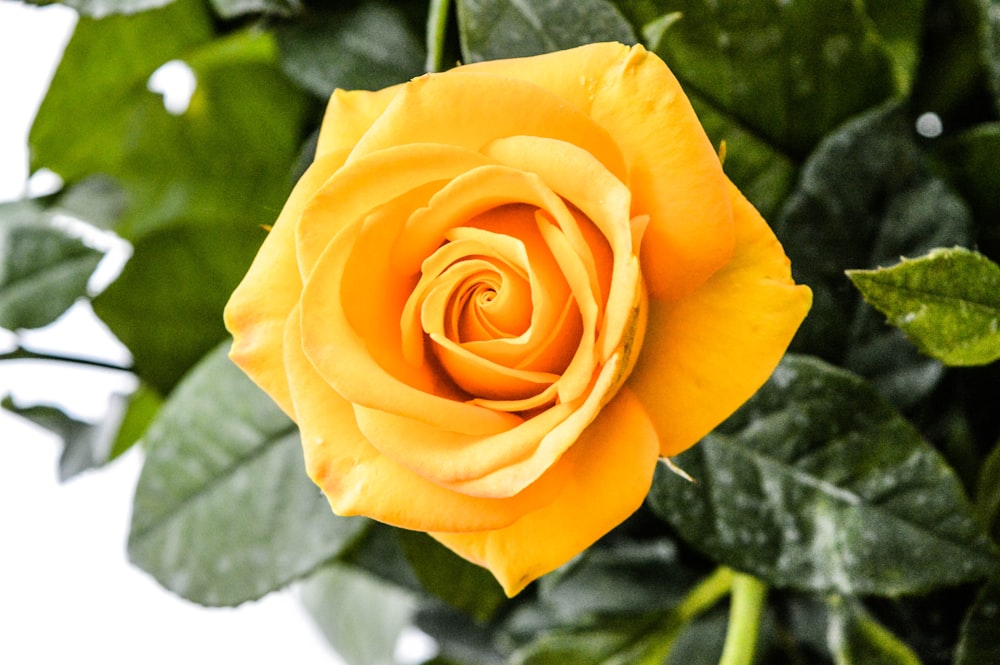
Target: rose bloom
x=501 y=293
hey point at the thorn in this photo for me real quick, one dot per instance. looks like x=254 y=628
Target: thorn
x=677 y=470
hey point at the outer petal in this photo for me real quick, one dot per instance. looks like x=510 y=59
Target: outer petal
x=707 y=354
x=358 y=480
x=674 y=172
x=609 y=471
x=349 y=114
x=257 y=310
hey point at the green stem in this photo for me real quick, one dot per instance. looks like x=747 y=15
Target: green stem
x=437 y=26
x=745 y=611
x=21 y=353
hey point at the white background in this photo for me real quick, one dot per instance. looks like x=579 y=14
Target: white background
x=67 y=592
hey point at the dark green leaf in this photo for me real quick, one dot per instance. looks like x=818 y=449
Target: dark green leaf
x=360 y=615
x=44 y=267
x=102 y=75
x=818 y=484
x=626 y=578
x=461 y=584
x=979 y=643
x=166 y=306
x=369 y=47
x=634 y=640
x=988 y=494
x=491 y=29
x=971 y=161
x=98 y=200
x=223 y=512
x=947 y=302
x=788 y=71
x=142 y=407
x=991 y=47
x=866 y=197
x=858 y=639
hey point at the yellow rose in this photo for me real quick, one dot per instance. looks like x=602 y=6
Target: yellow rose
x=501 y=293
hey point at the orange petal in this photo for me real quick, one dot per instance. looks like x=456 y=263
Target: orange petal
x=609 y=471
x=673 y=170
x=707 y=354
x=349 y=114
x=483 y=107
x=358 y=480
x=257 y=310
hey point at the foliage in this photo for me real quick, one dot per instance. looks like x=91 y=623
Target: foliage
x=844 y=486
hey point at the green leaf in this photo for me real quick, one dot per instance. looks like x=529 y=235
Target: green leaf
x=818 y=484
x=991 y=47
x=459 y=583
x=368 y=47
x=624 y=578
x=634 y=640
x=102 y=75
x=492 y=29
x=100 y=8
x=947 y=302
x=866 y=197
x=166 y=306
x=233 y=8
x=979 y=642
x=988 y=494
x=88 y=445
x=44 y=268
x=970 y=160
x=857 y=639
x=360 y=615
x=788 y=71
x=228 y=157
x=223 y=511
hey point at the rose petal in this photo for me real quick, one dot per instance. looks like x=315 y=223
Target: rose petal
x=610 y=469
x=358 y=480
x=349 y=114
x=634 y=96
x=366 y=183
x=257 y=310
x=482 y=107
x=706 y=355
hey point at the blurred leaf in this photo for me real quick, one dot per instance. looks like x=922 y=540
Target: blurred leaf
x=166 y=306
x=947 y=302
x=787 y=72
x=988 y=493
x=629 y=577
x=379 y=551
x=991 y=47
x=360 y=615
x=367 y=47
x=228 y=157
x=972 y=161
x=818 y=484
x=701 y=641
x=857 y=639
x=224 y=512
x=900 y=25
x=492 y=29
x=102 y=75
x=866 y=197
x=458 y=582
x=979 y=642
x=88 y=445
x=101 y=8
x=233 y=8
x=98 y=200
x=43 y=267
x=634 y=640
